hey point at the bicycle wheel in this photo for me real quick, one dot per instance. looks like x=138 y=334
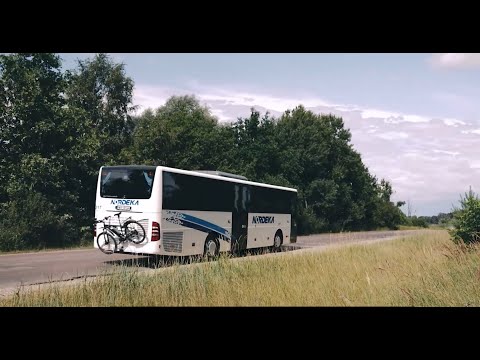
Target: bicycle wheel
x=106 y=243
x=134 y=231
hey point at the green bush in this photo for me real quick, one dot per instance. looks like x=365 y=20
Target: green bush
x=466 y=221
x=417 y=221
x=309 y=223
x=32 y=223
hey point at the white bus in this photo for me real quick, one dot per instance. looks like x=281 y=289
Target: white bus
x=194 y=212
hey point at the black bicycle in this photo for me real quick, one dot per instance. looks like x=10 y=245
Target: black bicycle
x=112 y=235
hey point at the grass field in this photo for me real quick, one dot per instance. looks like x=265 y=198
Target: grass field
x=427 y=270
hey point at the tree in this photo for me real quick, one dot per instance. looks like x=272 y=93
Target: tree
x=55 y=132
x=102 y=94
x=99 y=104
x=467 y=219
x=182 y=134
x=255 y=151
x=418 y=221
x=385 y=190
x=334 y=185
x=31 y=128
x=34 y=146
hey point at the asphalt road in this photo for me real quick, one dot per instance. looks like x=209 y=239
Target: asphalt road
x=47 y=266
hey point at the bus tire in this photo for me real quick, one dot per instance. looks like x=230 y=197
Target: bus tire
x=277 y=240
x=212 y=247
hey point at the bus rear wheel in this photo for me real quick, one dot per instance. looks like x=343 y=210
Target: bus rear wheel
x=277 y=241
x=212 y=248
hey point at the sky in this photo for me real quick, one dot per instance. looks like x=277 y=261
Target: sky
x=414 y=118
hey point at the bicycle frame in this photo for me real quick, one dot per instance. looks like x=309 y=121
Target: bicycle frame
x=111 y=229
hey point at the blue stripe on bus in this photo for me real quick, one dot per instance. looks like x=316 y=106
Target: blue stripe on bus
x=202 y=225
x=195 y=226
x=206 y=224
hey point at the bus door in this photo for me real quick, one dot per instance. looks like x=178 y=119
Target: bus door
x=240 y=217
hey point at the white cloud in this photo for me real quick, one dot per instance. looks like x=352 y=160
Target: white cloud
x=453 y=122
x=344 y=107
x=392 y=135
x=415 y=118
x=373 y=113
x=219 y=113
x=455 y=60
x=474 y=131
x=150 y=97
x=393 y=117
x=453 y=153
x=392 y=120
x=269 y=102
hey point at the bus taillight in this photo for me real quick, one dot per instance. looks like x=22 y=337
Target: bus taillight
x=155 y=231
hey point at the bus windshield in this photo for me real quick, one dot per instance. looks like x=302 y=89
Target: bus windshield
x=125 y=182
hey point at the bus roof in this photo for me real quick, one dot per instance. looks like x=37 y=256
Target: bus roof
x=224 y=178
x=222 y=173
x=148 y=167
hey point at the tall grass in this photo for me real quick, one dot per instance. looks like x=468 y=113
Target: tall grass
x=427 y=270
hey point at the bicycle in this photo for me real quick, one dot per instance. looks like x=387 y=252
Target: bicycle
x=130 y=230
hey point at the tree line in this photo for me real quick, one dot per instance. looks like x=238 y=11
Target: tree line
x=57 y=127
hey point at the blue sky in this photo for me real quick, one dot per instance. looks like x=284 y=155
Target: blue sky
x=397 y=82
x=413 y=117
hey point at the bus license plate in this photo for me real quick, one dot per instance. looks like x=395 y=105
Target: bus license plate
x=123 y=207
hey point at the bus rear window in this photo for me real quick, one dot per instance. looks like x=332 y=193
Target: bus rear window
x=123 y=183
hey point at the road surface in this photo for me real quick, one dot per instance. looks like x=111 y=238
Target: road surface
x=46 y=266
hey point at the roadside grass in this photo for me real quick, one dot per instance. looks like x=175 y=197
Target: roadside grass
x=423 y=270
x=410 y=227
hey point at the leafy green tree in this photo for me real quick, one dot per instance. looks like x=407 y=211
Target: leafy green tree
x=388 y=214
x=34 y=145
x=182 y=134
x=55 y=132
x=467 y=219
x=418 y=221
x=31 y=131
x=385 y=190
x=99 y=105
x=33 y=222
x=255 y=152
x=101 y=93
x=31 y=128
x=336 y=189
